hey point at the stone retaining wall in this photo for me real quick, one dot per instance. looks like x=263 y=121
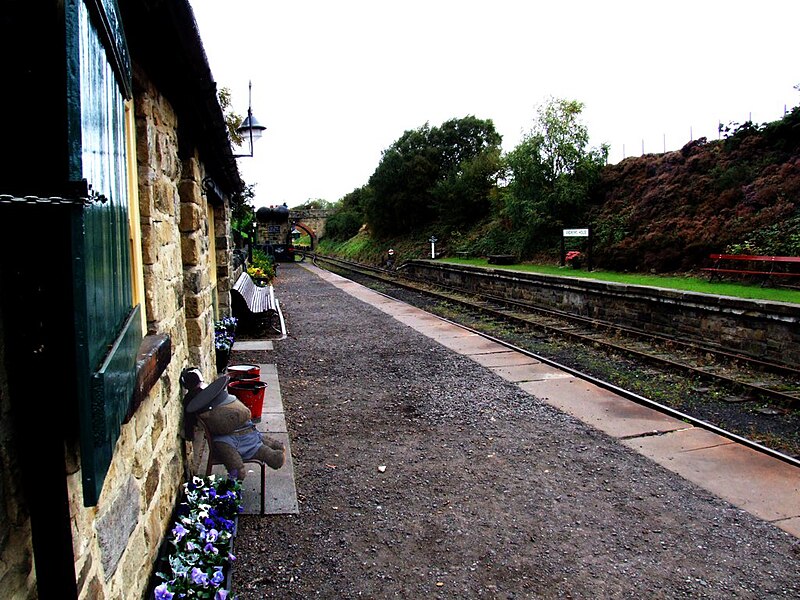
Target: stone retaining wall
x=768 y=330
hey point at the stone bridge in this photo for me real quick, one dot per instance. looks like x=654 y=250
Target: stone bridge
x=311 y=221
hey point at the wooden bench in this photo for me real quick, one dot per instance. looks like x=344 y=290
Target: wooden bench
x=757 y=266
x=501 y=259
x=254 y=305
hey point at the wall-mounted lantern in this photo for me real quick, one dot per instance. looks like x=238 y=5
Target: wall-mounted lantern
x=250 y=129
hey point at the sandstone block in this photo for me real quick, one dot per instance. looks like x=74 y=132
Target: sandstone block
x=196 y=329
x=115 y=523
x=191 y=217
x=191 y=250
x=165 y=196
x=190 y=191
x=149 y=245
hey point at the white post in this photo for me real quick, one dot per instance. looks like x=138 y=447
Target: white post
x=433 y=241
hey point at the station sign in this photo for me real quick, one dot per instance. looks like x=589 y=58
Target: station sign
x=576 y=232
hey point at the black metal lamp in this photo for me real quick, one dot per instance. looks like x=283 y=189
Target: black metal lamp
x=250 y=129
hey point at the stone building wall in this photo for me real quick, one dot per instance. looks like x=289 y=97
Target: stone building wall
x=226 y=275
x=116 y=542
x=197 y=262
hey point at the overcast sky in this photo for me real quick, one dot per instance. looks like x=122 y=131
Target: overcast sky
x=337 y=82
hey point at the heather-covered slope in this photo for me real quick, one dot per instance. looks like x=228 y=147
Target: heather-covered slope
x=667 y=212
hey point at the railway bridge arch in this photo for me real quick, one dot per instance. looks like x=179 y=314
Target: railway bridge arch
x=311 y=221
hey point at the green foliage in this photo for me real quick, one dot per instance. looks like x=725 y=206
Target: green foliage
x=343 y=225
x=243 y=215
x=401 y=185
x=464 y=197
x=356 y=200
x=348 y=216
x=489 y=238
x=777 y=239
x=740 y=130
x=442 y=174
x=361 y=246
x=232 y=120
x=550 y=175
x=659 y=213
x=732 y=175
x=318 y=204
x=262 y=267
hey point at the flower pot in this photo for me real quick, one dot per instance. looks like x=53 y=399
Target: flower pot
x=223 y=356
x=251 y=393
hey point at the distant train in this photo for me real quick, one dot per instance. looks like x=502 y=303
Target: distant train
x=274 y=232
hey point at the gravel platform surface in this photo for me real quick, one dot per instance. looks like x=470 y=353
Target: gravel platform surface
x=421 y=474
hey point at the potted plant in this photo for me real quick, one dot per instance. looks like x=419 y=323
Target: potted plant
x=199 y=548
x=227 y=324
x=224 y=335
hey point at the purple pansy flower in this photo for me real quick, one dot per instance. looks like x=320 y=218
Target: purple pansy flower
x=199 y=577
x=179 y=531
x=162 y=593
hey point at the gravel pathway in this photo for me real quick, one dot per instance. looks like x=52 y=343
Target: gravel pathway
x=421 y=474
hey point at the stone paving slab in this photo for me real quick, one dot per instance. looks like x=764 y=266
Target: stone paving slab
x=272 y=423
x=531 y=372
x=280 y=494
x=528 y=372
x=273 y=403
x=400 y=309
x=441 y=329
x=447 y=331
x=601 y=408
x=682 y=440
x=245 y=345
x=470 y=344
x=506 y=358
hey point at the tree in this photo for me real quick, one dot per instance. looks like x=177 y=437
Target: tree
x=401 y=184
x=550 y=174
x=470 y=162
x=232 y=120
x=348 y=216
x=317 y=203
x=439 y=174
x=243 y=215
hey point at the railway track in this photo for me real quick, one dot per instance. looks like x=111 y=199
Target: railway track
x=747 y=378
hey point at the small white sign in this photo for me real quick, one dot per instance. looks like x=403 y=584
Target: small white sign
x=576 y=232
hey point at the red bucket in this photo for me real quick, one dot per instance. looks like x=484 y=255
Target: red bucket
x=244 y=372
x=251 y=393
